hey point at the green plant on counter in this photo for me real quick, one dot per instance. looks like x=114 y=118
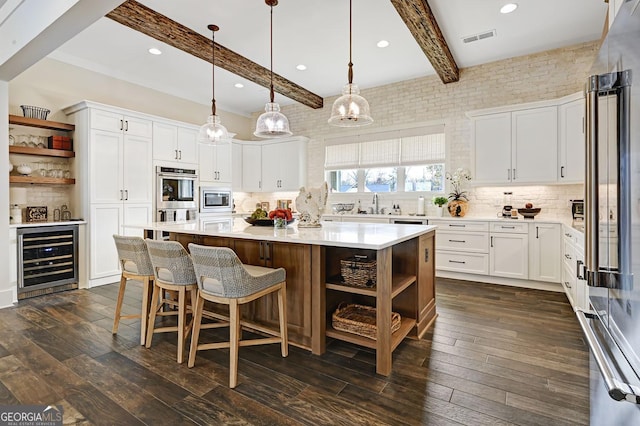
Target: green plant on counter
x=440 y=201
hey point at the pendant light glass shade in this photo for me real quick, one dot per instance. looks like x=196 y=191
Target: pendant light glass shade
x=350 y=109
x=272 y=123
x=213 y=132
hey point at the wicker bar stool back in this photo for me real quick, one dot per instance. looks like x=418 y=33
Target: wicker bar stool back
x=174 y=272
x=222 y=278
x=136 y=265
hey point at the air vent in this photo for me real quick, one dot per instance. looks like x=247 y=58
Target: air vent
x=479 y=36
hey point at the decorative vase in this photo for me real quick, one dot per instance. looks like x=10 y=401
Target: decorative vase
x=458 y=208
x=439 y=211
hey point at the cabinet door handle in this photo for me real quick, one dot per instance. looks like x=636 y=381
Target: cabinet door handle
x=260 y=184
x=457 y=241
x=457 y=225
x=126 y=125
x=566 y=284
x=514 y=174
x=566 y=234
x=426 y=255
x=579 y=273
x=457 y=261
x=121 y=124
x=121 y=195
x=261 y=250
x=507 y=227
x=561 y=171
x=567 y=256
x=126 y=194
x=537 y=229
x=176 y=154
x=179 y=154
x=267 y=251
x=508 y=174
x=492 y=241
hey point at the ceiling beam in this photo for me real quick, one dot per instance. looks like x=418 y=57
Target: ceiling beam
x=418 y=17
x=147 y=21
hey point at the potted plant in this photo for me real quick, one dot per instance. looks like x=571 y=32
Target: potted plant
x=439 y=202
x=458 y=201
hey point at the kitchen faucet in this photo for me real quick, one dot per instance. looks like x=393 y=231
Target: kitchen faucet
x=375 y=202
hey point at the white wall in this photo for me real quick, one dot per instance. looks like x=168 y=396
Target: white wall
x=537 y=77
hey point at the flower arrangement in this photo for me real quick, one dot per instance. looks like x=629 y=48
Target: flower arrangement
x=458 y=179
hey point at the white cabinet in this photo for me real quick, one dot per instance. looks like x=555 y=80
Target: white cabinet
x=277 y=165
x=571 y=142
x=518 y=147
x=544 y=263
x=251 y=168
x=115 y=180
x=236 y=166
x=572 y=260
x=215 y=164
x=174 y=143
x=462 y=246
x=509 y=251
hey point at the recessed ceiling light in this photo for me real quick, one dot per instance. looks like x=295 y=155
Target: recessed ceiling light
x=301 y=67
x=508 y=8
x=239 y=85
x=383 y=43
x=155 y=51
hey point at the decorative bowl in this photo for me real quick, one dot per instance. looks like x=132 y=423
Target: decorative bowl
x=10 y=167
x=263 y=221
x=23 y=169
x=529 y=213
x=342 y=207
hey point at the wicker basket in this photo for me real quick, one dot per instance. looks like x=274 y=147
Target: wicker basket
x=360 y=320
x=358 y=271
x=34 y=112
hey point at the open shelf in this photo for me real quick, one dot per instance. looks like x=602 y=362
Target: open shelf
x=27 y=150
x=406 y=326
x=399 y=284
x=41 y=179
x=42 y=124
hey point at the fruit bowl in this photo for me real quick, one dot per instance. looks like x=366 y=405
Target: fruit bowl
x=529 y=213
x=342 y=207
x=263 y=221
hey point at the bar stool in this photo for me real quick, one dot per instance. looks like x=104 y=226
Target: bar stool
x=222 y=278
x=173 y=271
x=136 y=265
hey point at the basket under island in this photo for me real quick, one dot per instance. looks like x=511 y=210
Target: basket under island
x=404 y=271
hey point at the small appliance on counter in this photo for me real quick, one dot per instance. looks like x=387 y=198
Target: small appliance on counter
x=508 y=206
x=577 y=210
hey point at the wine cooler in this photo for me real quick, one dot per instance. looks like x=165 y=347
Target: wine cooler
x=47 y=259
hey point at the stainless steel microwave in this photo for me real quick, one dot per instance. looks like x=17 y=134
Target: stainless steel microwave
x=216 y=200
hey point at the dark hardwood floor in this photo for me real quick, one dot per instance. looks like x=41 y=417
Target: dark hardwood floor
x=496 y=355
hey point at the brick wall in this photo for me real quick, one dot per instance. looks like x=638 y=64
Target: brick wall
x=536 y=77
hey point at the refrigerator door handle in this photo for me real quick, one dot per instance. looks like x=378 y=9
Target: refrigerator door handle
x=591 y=201
x=617 y=389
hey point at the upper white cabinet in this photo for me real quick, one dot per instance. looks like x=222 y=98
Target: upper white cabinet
x=571 y=142
x=277 y=165
x=215 y=163
x=236 y=166
x=517 y=147
x=113 y=121
x=174 y=143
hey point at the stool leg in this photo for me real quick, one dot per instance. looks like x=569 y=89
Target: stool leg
x=182 y=313
x=195 y=334
x=116 y=318
x=155 y=305
x=282 y=313
x=234 y=337
x=144 y=309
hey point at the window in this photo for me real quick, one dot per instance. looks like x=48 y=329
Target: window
x=410 y=160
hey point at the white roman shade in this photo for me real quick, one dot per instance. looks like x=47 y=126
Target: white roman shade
x=419 y=145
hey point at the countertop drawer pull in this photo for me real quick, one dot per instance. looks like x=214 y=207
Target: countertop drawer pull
x=457 y=261
x=566 y=234
x=566 y=284
x=457 y=241
x=508 y=227
x=457 y=225
x=567 y=256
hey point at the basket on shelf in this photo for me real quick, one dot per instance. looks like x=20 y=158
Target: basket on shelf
x=358 y=271
x=35 y=112
x=360 y=320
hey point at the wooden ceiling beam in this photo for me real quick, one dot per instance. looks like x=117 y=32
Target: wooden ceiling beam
x=147 y=21
x=419 y=18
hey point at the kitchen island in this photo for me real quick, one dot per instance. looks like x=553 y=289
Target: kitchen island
x=404 y=272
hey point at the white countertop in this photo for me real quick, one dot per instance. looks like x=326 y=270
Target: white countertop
x=373 y=236
x=36 y=224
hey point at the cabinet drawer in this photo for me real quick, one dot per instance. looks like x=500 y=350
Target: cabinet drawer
x=460 y=225
x=514 y=228
x=471 y=263
x=477 y=242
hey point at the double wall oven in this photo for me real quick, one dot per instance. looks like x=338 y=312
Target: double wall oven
x=176 y=194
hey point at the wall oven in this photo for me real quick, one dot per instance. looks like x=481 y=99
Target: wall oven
x=175 y=188
x=216 y=200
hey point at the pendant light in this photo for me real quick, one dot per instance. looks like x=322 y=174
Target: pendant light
x=213 y=132
x=350 y=109
x=272 y=123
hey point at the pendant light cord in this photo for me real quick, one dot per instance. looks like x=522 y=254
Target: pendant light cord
x=213 y=29
x=272 y=94
x=350 y=43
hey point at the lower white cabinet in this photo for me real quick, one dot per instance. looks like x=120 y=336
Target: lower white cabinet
x=509 y=250
x=573 y=283
x=544 y=260
x=462 y=246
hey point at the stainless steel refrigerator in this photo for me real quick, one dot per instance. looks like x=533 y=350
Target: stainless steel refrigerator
x=612 y=224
